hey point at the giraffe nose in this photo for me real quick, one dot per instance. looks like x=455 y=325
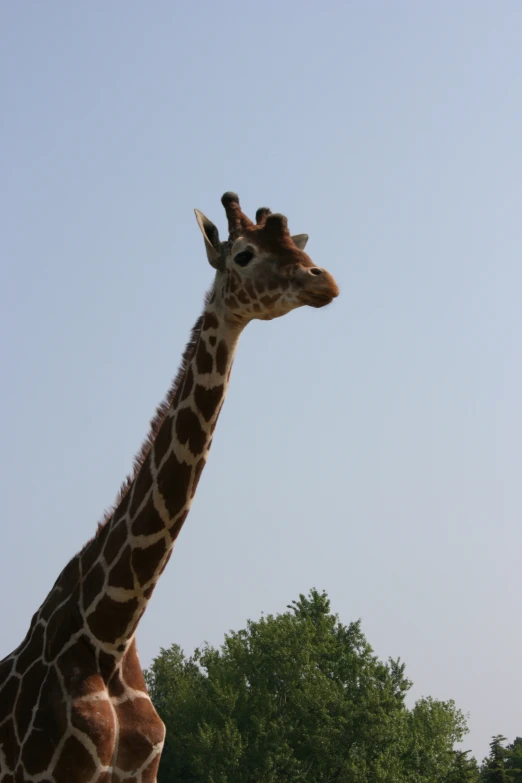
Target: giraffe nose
x=321 y=290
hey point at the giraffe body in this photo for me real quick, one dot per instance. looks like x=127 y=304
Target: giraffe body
x=73 y=702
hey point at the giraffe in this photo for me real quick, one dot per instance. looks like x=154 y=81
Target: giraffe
x=74 y=707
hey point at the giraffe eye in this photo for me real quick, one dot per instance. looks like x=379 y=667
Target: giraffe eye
x=244 y=258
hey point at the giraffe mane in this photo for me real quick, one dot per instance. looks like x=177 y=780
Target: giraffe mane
x=158 y=418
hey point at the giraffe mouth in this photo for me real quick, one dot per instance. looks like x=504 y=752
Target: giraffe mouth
x=317 y=300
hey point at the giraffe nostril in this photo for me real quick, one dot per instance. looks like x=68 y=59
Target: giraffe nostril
x=316 y=271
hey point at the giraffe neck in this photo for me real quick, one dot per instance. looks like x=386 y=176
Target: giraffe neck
x=119 y=568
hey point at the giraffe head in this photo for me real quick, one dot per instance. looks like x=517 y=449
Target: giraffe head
x=261 y=270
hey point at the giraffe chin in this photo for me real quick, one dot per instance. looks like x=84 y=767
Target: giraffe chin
x=317 y=300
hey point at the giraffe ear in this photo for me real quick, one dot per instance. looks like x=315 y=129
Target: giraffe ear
x=300 y=240
x=211 y=239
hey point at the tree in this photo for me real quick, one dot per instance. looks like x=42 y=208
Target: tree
x=514 y=760
x=463 y=769
x=298 y=698
x=495 y=768
x=433 y=729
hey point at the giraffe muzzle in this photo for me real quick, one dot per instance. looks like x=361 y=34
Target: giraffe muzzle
x=320 y=288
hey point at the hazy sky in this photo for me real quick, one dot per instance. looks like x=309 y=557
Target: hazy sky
x=371 y=449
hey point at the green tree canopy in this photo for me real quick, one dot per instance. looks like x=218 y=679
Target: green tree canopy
x=504 y=764
x=300 y=697
x=463 y=769
x=514 y=760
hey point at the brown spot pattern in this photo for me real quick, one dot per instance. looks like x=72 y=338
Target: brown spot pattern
x=71 y=573
x=232 y=302
x=189 y=430
x=115 y=541
x=8 y=742
x=222 y=357
x=96 y=720
x=8 y=693
x=31 y=682
x=204 y=361
x=141 y=730
x=92 y=585
x=173 y=481
x=148 y=520
x=142 y=485
x=74 y=757
x=212 y=340
x=62 y=625
x=6 y=667
x=116 y=687
x=267 y=301
x=77 y=666
x=48 y=728
x=107 y=665
x=145 y=561
x=90 y=554
x=123 y=505
x=210 y=321
x=131 y=670
x=110 y=619
x=163 y=441
x=31 y=651
x=150 y=589
x=178 y=524
x=207 y=400
x=197 y=473
x=137 y=617
x=121 y=573
x=150 y=773
x=187 y=386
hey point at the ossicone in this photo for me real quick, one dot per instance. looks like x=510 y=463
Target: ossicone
x=261 y=215
x=237 y=220
x=276 y=224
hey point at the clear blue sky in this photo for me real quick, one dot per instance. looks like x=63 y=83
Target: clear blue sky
x=372 y=449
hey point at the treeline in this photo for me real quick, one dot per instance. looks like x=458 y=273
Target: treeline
x=298 y=698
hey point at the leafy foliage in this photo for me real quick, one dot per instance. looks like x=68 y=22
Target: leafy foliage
x=300 y=697
x=514 y=760
x=463 y=769
x=503 y=765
